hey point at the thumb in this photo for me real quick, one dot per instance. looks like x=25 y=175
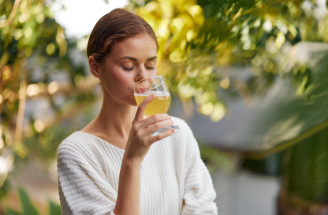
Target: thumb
x=142 y=106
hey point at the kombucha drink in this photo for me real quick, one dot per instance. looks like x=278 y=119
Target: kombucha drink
x=160 y=104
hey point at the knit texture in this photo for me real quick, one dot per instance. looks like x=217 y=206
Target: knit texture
x=174 y=180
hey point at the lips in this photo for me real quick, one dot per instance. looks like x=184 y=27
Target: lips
x=142 y=90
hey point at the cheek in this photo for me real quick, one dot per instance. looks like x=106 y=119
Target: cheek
x=115 y=75
x=153 y=72
x=122 y=81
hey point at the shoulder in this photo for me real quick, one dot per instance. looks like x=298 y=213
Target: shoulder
x=180 y=122
x=86 y=148
x=74 y=141
x=77 y=144
x=80 y=151
x=183 y=125
x=185 y=135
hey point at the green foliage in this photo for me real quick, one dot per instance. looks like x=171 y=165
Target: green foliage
x=54 y=209
x=44 y=145
x=200 y=40
x=27 y=30
x=286 y=98
x=203 y=40
x=33 y=52
x=216 y=160
x=306 y=169
x=28 y=207
x=270 y=165
x=12 y=212
x=5 y=188
x=294 y=108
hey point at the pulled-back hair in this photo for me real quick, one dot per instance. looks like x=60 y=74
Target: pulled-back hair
x=114 y=27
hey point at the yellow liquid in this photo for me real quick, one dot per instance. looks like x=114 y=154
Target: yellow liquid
x=160 y=103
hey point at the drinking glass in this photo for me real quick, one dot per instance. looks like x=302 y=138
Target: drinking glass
x=160 y=104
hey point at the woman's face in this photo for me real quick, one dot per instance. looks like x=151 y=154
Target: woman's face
x=128 y=62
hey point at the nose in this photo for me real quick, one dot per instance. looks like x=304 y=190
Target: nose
x=141 y=73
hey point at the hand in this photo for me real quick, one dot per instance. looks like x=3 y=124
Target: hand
x=140 y=138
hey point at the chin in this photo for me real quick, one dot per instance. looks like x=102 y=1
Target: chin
x=132 y=102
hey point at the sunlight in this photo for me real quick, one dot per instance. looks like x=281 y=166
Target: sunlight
x=79 y=16
x=53 y=87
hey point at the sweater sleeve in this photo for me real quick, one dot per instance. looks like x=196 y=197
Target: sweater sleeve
x=199 y=193
x=83 y=188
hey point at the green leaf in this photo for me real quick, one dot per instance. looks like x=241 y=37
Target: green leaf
x=27 y=205
x=280 y=117
x=11 y=212
x=54 y=209
x=306 y=169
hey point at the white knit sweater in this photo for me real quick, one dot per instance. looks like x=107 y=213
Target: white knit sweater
x=174 y=179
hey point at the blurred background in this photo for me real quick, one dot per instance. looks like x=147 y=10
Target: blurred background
x=249 y=76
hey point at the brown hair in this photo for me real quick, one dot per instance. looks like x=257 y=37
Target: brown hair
x=113 y=27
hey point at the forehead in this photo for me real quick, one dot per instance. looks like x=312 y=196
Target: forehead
x=141 y=45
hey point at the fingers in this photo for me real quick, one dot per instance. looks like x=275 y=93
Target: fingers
x=143 y=105
x=161 y=135
x=161 y=127
x=155 y=118
x=145 y=129
x=157 y=126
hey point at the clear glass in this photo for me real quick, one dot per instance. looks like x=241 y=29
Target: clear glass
x=154 y=85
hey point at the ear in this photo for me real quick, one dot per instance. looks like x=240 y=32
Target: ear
x=94 y=67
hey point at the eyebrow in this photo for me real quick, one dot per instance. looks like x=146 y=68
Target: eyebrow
x=135 y=59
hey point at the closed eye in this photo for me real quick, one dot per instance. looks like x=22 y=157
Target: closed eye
x=128 y=68
x=151 y=64
x=150 y=67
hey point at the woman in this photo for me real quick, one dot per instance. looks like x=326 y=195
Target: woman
x=114 y=165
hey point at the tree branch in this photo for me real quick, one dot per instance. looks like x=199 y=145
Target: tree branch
x=13 y=12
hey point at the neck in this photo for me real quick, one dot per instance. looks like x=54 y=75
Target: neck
x=116 y=118
x=113 y=122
